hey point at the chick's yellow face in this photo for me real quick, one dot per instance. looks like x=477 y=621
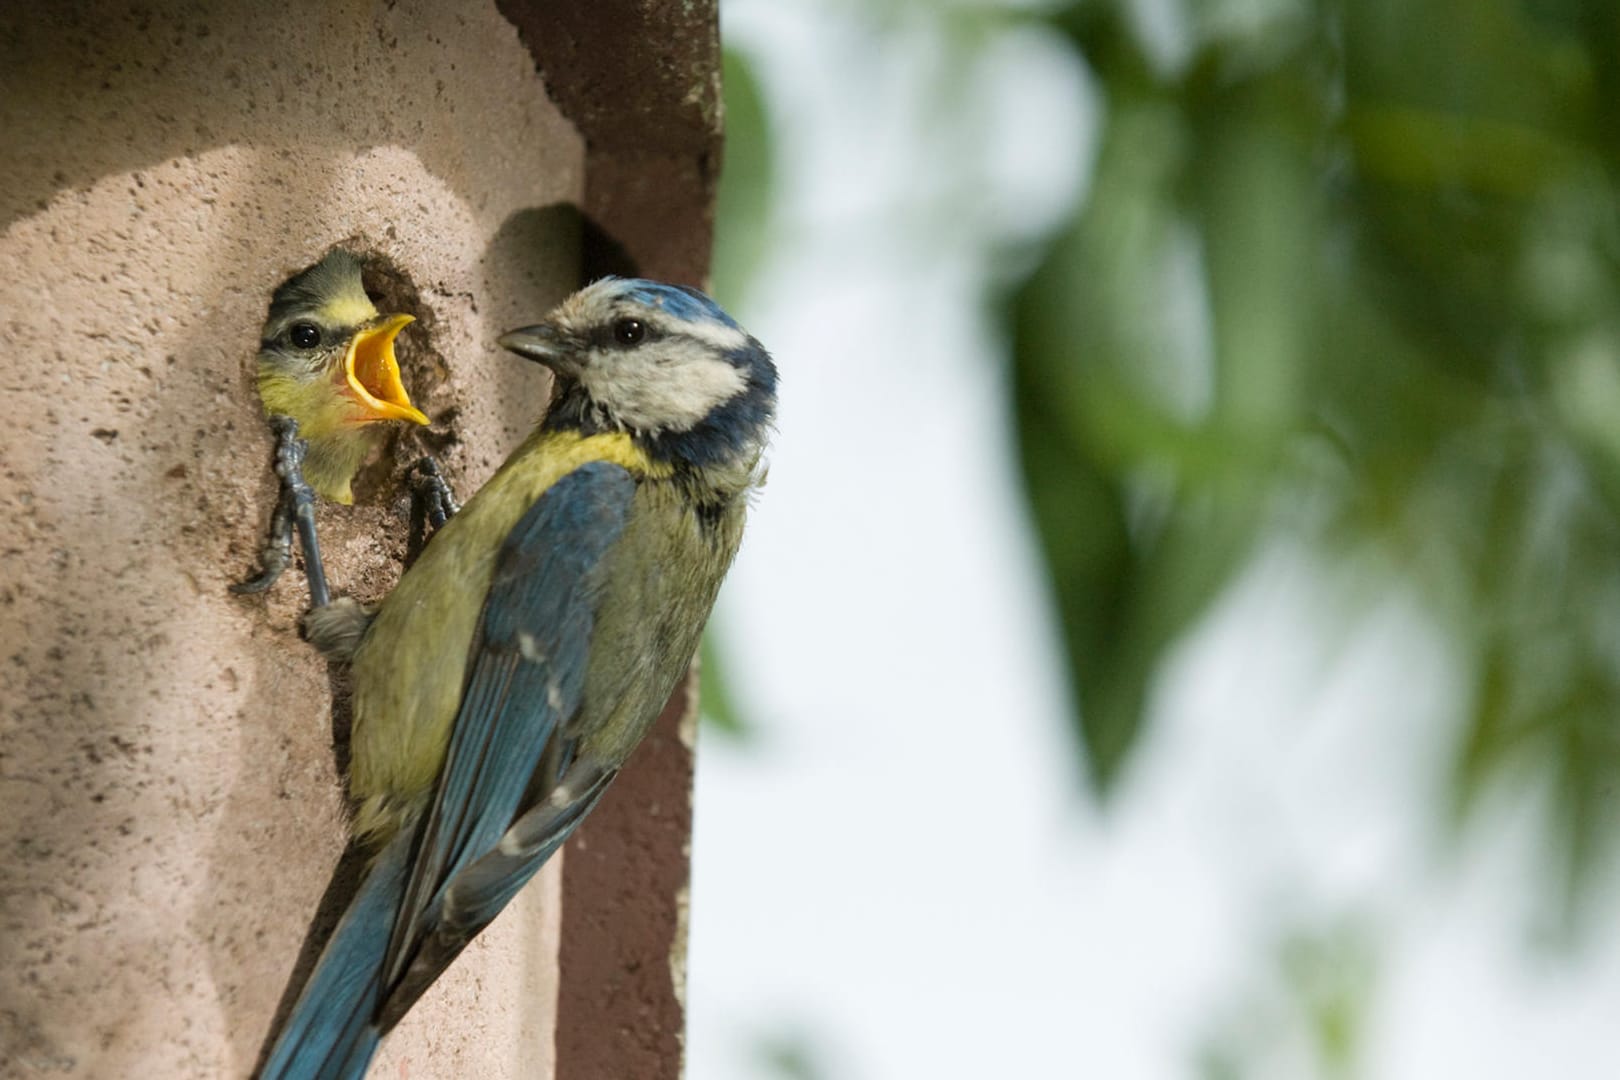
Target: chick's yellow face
x=326 y=356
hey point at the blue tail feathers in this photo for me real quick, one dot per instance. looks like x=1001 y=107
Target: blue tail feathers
x=332 y=1032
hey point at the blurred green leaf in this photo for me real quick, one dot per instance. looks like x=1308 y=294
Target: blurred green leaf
x=1332 y=973
x=717 y=705
x=1142 y=492
x=742 y=216
x=1306 y=1012
x=791 y=1056
x=1405 y=231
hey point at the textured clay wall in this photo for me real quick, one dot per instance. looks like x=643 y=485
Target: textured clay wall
x=170 y=812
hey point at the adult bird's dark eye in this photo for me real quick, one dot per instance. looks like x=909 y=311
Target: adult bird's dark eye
x=629 y=331
x=304 y=336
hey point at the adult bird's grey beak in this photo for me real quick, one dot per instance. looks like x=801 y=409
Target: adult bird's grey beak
x=544 y=345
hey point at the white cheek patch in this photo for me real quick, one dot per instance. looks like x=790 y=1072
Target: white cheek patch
x=669 y=385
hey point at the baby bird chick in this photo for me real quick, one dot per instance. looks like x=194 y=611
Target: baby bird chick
x=326 y=360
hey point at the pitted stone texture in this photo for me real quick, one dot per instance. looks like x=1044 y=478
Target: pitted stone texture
x=171 y=810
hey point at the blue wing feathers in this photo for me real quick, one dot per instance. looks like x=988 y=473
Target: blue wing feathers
x=535 y=642
x=479 y=892
x=525 y=678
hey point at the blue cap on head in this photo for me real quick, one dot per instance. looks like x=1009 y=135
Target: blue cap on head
x=681 y=301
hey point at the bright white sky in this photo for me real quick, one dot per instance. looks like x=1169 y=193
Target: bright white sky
x=903 y=871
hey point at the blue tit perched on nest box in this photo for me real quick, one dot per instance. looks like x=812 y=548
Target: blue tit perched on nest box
x=501 y=685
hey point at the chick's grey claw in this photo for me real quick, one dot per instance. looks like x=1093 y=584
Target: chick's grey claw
x=267 y=577
x=277 y=553
x=432 y=492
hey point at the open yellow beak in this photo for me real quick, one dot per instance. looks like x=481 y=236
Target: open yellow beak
x=373 y=373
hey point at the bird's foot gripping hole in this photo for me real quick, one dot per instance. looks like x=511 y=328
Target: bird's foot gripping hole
x=432 y=493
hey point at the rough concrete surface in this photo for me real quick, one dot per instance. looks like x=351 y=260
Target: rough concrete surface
x=170 y=812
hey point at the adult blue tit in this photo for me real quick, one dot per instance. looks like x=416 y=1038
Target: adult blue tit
x=504 y=681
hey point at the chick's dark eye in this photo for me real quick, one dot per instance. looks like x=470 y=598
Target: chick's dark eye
x=629 y=331
x=304 y=336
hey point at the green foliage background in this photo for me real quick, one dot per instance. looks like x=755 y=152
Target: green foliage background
x=1403 y=225
x=1404 y=214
